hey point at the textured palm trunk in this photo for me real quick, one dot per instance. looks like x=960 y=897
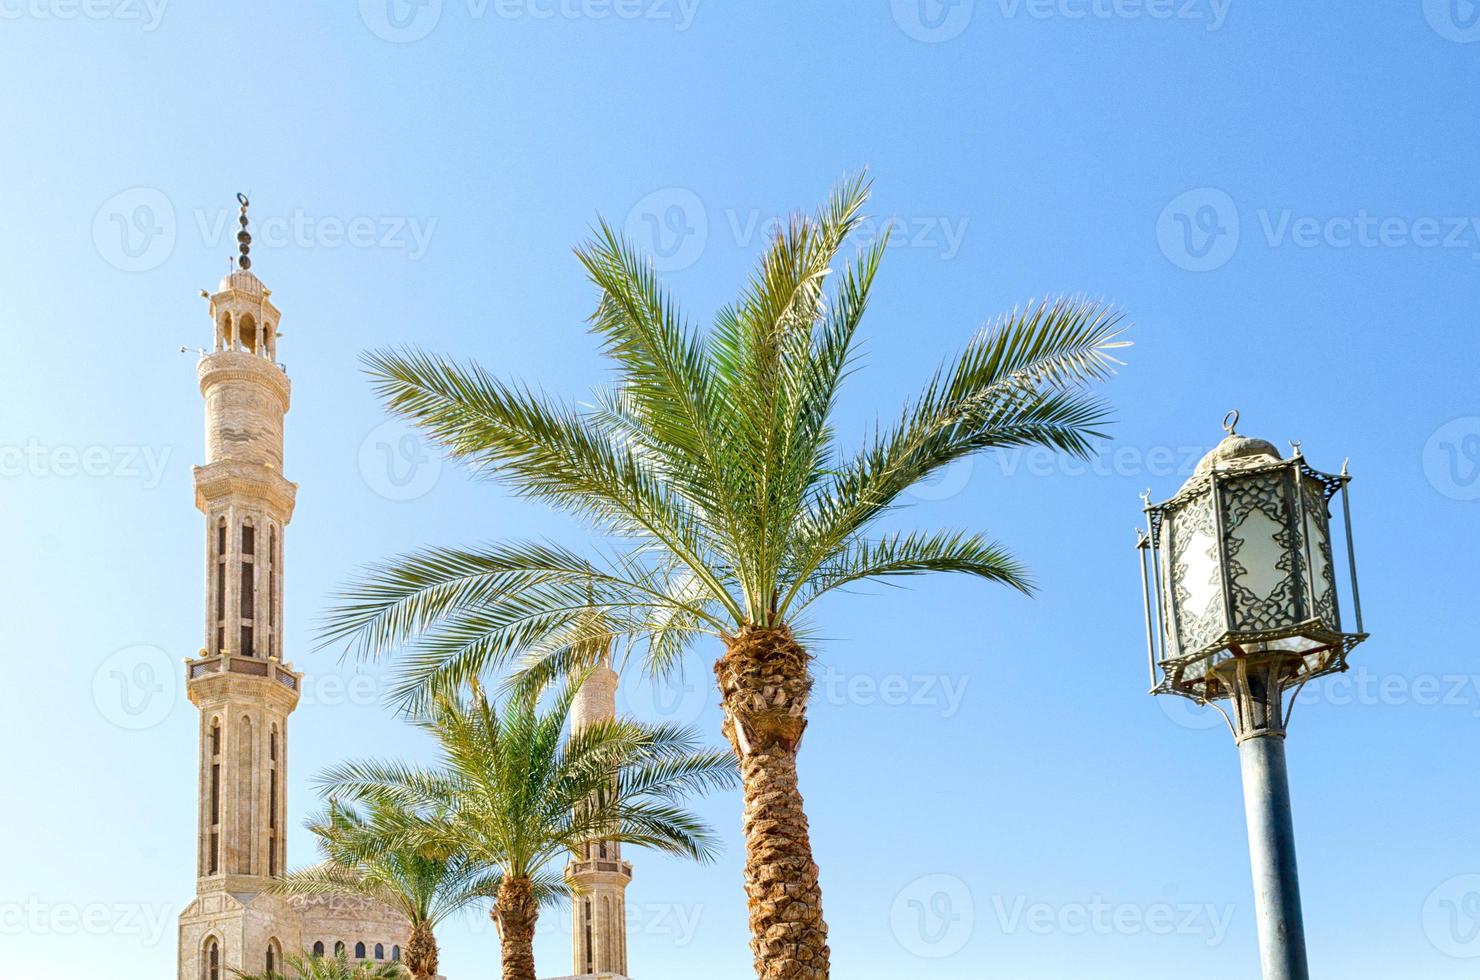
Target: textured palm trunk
x=764 y=682
x=421 y=952
x=515 y=912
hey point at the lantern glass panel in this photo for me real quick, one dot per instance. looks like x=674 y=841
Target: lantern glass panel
x=1194 y=579
x=1261 y=551
x=1318 y=548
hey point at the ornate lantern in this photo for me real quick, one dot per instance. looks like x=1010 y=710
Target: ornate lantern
x=1241 y=590
x=1241 y=606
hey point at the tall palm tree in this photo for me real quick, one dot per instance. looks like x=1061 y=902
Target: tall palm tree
x=324 y=968
x=378 y=857
x=713 y=471
x=513 y=795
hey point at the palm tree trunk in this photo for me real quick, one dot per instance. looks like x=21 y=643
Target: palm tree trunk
x=421 y=952
x=515 y=912
x=764 y=682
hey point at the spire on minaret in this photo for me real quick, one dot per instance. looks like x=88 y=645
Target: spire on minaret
x=244 y=237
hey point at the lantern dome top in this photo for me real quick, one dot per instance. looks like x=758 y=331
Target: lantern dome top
x=242 y=281
x=1234 y=452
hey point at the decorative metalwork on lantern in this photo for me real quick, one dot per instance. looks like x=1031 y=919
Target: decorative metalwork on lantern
x=1240 y=581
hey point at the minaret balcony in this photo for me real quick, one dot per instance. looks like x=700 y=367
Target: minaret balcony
x=241 y=479
x=226 y=677
x=600 y=871
x=229 y=364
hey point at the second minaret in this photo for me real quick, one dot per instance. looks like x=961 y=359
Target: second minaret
x=600 y=877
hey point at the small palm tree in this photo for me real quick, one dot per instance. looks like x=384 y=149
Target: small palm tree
x=514 y=795
x=377 y=857
x=336 y=968
x=713 y=471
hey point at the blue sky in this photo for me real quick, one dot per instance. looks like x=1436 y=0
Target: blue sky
x=1283 y=200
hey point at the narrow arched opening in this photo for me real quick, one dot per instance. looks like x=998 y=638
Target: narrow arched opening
x=247 y=330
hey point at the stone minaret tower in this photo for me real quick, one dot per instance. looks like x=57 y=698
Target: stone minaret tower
x=600 y=877
x=240 y=682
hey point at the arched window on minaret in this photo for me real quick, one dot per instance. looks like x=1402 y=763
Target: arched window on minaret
x=223 y=332
x=213 y=858
x=248 y=587
x=318 y=948
x=608 y=936
x=396 y=953
x=380 y=951
x=247 y=330
x=273 y=838
x=339 y=948
x=244 y=809
x=587 y=948
x=359 y=951
x=272 y=591
x=274 y=955
x=211 y=960
x=220 y=603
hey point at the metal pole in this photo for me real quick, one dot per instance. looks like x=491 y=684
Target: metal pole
x=1143 y=545
x=1272 y=855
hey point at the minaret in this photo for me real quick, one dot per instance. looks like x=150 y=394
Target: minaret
x=240 y=681
x=600 y=878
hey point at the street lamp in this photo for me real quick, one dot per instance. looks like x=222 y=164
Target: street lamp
x=1241 y=609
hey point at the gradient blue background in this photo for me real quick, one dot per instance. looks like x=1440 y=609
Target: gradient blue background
x=1058 y=141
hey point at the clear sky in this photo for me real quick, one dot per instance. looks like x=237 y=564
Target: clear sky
x=1283 y=199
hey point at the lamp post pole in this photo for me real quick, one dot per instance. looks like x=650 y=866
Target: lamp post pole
x=1256 y=686
x=1272 y=855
